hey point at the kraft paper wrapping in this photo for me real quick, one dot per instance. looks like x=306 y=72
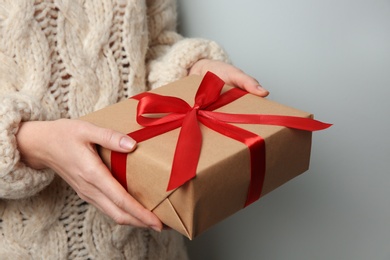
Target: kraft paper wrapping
x=223 y=174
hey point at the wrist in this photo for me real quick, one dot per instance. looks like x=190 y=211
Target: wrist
x=27 y=139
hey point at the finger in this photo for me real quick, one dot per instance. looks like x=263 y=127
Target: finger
x=87 y=191
x=248 y=83
x=103 y=180
x=123 y=200
x=110 y=139
x=101 y=202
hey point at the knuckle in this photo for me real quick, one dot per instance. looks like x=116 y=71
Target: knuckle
x=80 y=126
x=107 y=135
x=238 y=70
x=79 y=129
x=89 y=174
x=120 y=202
x=83 y=195
x=120 y=219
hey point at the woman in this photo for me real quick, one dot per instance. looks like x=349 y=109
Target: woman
x=64 y=59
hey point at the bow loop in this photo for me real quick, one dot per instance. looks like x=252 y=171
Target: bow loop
x=209 y=90
x=160 y=109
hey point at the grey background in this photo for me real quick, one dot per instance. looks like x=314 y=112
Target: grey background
x=331 y=58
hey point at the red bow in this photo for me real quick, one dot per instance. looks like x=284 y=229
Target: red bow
x=178 y=113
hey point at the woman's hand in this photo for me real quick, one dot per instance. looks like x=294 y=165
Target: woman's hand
x=230 y=74
x=68 y=147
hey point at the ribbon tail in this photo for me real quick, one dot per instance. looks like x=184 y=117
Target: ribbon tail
x=187 y=152
x=148 y=132
x=300 y=123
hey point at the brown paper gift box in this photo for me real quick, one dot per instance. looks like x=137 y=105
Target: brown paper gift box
x=223 y=173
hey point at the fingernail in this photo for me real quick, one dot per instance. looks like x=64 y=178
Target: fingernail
x=261 y=88
x=127 y=143
x=263 y=91
x=155 y=228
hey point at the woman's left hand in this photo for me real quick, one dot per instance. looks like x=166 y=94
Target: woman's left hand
x=230 y=74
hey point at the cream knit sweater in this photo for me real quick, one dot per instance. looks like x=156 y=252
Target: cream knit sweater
x=66 y=58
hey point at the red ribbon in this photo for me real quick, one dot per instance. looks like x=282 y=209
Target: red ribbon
x=178 y=113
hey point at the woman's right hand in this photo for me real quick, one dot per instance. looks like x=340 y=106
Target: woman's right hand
x=68 y=147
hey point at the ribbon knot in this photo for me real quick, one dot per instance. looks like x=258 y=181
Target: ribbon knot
x=160 y=114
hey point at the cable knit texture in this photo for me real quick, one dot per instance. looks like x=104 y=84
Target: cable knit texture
x=64 y=59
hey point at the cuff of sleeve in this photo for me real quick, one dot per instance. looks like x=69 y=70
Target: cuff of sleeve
x=182 y=55
x=16 y=179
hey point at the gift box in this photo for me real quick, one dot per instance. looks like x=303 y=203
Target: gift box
x=205 y=150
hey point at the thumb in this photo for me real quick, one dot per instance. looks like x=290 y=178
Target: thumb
x=248 y=83
x=111 y=139
x=127 y=143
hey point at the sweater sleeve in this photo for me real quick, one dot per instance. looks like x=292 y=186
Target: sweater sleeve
x=170 y=55
x=16 y=179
